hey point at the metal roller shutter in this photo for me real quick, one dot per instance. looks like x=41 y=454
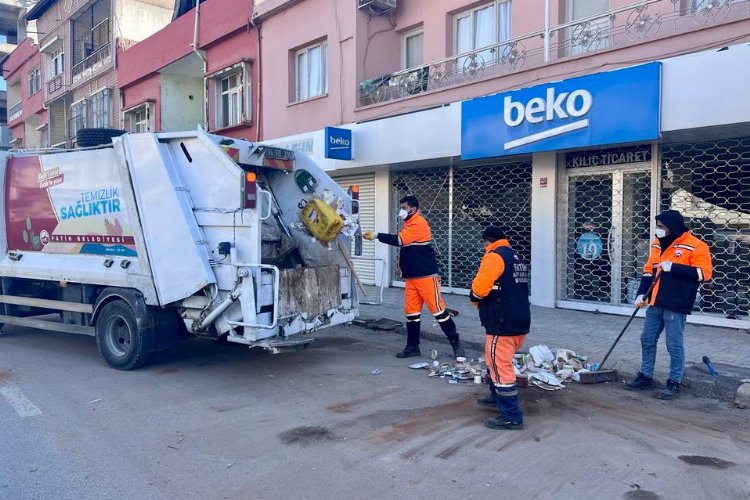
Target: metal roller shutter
x=366 y=183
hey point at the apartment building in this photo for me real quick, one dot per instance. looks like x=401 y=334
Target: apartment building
x=80 y=42
x=197 y=71
x=570 y=122
x=27 y=117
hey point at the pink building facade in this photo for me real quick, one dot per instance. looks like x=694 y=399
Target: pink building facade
x=422 y=87
x=27 y=117
x=165 y=85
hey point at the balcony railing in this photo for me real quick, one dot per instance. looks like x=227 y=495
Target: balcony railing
x=93 y=60
x=54 y=85
x=629 y=25
x=15 y=111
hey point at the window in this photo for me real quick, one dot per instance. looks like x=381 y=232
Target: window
x=411 y=47
x=311 y=64
x=100 y=109
x=77 y=119
x=595 y=35
x=140 y=119
x=56 y=64
x=229 y=103
x=35 y=81
x=232 y=96
x=486 y=25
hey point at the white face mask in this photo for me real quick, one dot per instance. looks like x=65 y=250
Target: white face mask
x=403 y=214
x=660 y=233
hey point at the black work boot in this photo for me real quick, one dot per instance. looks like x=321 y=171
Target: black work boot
x=639 y=383
x=488 y=402
x=491 y=400
x=412 y=339
x=458 y=350
x=500 y=423
x=409 y=351
x=671 y=391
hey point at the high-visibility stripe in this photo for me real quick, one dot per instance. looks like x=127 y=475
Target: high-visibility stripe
x=494 y=363
x=436 y=287
x=700 y=273
x=415 y=244
x=686 y=247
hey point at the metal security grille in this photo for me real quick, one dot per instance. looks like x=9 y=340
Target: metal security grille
x=605 y=232
x=709 y=183
x=366 y=270
x=459 y=202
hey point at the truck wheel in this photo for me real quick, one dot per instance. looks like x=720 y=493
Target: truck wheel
x=118 y=338
x=89 y=137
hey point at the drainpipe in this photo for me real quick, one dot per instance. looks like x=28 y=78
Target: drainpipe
x=259 y=97
x=546 y=31
x=194 y=45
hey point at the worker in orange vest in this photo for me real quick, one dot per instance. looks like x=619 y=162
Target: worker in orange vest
x=500 y=291
x=681 y=262
x=418 y=266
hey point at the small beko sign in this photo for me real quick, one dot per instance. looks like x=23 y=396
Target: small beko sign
x=613 y=107
x=338 y=143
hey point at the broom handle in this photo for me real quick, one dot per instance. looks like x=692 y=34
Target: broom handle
x=645 y=295
x=351 y=266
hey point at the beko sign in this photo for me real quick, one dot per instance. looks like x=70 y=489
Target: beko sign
x=605 y=108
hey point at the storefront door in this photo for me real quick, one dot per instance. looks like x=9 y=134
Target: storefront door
x=605 y=233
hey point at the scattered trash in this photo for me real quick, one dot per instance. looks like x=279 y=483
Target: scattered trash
x=539 y=367
x=229 y=465
x=94 y=401
x=541 y=355
x=376 y=371
x=549 y=371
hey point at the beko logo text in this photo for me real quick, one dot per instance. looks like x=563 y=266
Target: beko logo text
x=340 y=142
x=538 y=109
x=574 y=104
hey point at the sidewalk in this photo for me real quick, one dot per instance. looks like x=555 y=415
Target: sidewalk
x=591 y=335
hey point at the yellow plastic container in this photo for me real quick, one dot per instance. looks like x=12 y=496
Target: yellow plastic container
x=321 y=220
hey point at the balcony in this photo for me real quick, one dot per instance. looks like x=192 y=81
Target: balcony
x=96 y=60
x=625 y=26
x=15 y=112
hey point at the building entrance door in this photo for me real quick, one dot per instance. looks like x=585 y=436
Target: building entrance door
x=605 y=233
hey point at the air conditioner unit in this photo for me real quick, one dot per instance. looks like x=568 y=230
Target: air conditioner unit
x=377 y=6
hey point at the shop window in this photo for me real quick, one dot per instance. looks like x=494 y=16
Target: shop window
x=140 y=119
x=412 y=44
x=311 y=71
x=35 y=81
x=483 y=26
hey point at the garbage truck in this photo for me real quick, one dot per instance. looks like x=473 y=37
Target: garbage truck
x=161 y=236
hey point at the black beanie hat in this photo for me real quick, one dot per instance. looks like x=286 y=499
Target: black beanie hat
x=493 y=233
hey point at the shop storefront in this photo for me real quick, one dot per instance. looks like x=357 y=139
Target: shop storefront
x=462 y=199
x=576 y=170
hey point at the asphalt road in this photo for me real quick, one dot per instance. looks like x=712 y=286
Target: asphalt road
x=211 y=421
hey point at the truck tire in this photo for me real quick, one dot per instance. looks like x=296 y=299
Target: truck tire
x=118 y=338
x=89 y=137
